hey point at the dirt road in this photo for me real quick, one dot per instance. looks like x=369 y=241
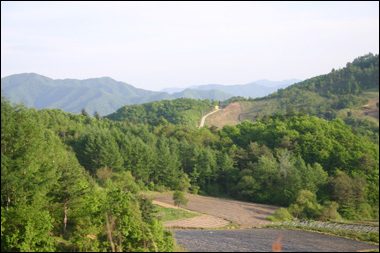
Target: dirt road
x=204 y=118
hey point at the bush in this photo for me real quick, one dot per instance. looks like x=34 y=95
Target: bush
x=141 y=184
x=330 y=212
x=160 y=188
x=282 y=214
x=179 y=198
x=306 y=206
x=183 y=184
x=194 y=189
x=151 y=186
x=364 y=212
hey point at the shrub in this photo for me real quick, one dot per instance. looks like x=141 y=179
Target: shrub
x=306 y=205
x=179 y=198
x=364 y=211
x=282 y=214
x=330 y=211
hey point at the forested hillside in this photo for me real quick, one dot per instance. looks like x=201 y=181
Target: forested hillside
x=324 y=95
x=179 y=111
x=49 y=202
x=342 y=93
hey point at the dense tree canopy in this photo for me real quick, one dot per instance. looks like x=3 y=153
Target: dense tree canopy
x=49 y=202
x=179 y=111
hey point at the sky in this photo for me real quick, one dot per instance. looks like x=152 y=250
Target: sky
x=156 y=45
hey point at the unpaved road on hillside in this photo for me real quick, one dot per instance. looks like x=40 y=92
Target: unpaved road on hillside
x=204 y=118
x=244 y=214
x=262 y=239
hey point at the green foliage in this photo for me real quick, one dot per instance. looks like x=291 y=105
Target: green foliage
x=104 y=173
x=281 y=214
x=183 y=184
x=147 y=208
x=179 y=199
x=98 y=148
x=330 y=211
x=306 y=206
x=85 y=113
x=26 y=229
x=179 y=111
x=47 y=194
x=349 y=194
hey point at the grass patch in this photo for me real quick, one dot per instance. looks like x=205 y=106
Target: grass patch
x=169 y=214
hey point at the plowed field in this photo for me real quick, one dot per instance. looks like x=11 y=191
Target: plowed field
x=244 y=214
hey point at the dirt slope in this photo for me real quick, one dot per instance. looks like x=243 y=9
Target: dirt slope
x=371 y=109
x=226 y=116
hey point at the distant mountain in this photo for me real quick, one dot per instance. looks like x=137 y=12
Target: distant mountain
x=103 y=95
x=267 y=83
x=255 y=89
x=203 y=94
x=173 y=90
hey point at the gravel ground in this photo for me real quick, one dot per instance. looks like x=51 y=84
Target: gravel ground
x=261 y=240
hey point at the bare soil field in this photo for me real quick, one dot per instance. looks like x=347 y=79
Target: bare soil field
x=226 y=116
x=240 y=111
x=244 y=214
x=247 y=240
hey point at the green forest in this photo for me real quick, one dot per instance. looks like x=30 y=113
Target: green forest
x=182 y=111
x=73 y=182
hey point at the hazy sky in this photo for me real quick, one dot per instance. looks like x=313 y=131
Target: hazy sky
x=153 y=45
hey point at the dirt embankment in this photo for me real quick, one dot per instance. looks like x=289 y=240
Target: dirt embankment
x=371 y=109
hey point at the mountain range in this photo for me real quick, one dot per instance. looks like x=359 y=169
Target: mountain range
x=255 y=89
x=105 y=95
